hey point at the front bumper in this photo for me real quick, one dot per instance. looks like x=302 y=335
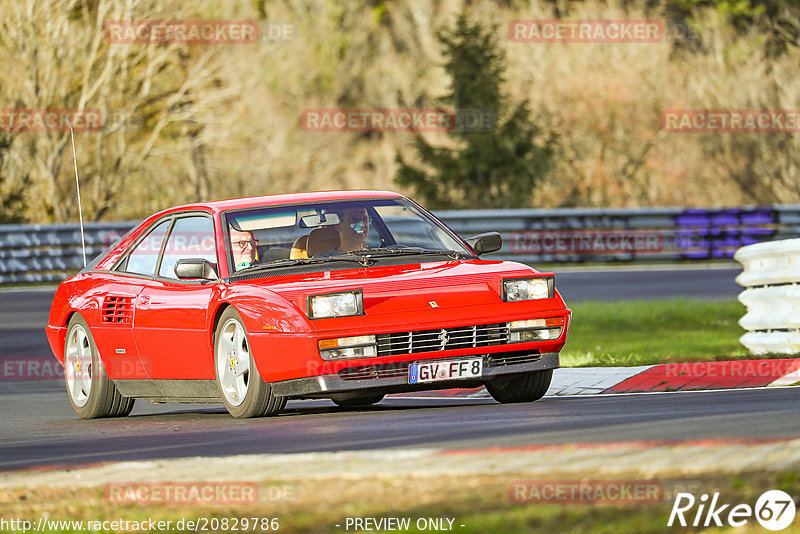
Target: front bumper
x=57 y=338
x=334 y=384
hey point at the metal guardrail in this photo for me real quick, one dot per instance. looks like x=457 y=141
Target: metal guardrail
x=771 y=278
x=50 y=253
x=629 y=235
x=41 y=253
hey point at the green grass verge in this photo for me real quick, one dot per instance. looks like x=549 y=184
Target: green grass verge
x=485 y=508
x=650 y=332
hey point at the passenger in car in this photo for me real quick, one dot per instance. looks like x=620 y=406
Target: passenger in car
x=353 y=228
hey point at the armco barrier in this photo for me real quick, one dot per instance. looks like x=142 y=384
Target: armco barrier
x=771 y=278
x=654 y=234
x=50 y=253
x=40 y=253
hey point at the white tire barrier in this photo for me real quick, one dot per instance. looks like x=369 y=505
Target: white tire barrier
x=771 y=278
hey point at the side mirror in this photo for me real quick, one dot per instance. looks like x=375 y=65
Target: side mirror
x=195 y=268
x=487 y=242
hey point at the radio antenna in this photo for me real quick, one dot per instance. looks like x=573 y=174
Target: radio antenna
x=78 y=187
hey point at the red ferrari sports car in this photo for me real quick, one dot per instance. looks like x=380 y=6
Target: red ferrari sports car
x=344 y=295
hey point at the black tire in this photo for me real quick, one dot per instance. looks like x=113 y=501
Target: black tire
x=520 y=388
x=250 y=396
x=124 y=408
x=95 y=395
x=358 y=401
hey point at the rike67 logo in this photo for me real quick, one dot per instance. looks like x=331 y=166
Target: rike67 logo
x=774 y=510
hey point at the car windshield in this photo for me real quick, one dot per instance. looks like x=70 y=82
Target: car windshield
x=358 y=231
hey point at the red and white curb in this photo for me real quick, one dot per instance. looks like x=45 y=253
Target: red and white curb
x=663 y=377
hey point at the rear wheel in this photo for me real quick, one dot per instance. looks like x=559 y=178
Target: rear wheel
x=91 y=393
x=358 y=401
x=243 y=391
x=521 y=388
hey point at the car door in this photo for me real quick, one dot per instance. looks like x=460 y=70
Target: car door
x=113 y=333
x=171 y=327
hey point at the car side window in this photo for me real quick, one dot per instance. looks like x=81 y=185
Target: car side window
x=191 y=237
x=144 y=257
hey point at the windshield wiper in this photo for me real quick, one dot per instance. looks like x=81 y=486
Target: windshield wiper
x=390 y=251
x=366 y=261
x=288 y=262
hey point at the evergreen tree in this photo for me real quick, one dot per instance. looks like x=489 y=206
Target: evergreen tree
x=499 y=167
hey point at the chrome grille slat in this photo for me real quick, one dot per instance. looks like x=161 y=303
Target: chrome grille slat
x=460 y=337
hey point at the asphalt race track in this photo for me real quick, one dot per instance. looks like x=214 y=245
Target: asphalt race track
x=38 y=428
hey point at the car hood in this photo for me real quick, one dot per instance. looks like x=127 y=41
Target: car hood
x=409 y=287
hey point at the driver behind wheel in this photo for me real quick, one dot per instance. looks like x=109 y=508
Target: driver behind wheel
x=243 y=247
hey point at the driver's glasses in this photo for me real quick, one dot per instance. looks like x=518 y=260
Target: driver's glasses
x=245 y=244
x=357 y=219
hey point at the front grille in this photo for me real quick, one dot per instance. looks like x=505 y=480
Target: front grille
x=117 y=310
x=461 y=337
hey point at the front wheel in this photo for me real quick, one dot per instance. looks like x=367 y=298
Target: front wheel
x=243 y=391
x=91 y=393
x=521 y=388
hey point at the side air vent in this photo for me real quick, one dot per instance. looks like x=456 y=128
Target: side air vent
x=117 y=310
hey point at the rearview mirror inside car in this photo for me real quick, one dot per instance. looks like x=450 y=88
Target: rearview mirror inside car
x=320 y=219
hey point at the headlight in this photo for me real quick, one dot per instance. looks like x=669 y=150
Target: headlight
x=335 y=305
x=528 y=288
x=347 y=347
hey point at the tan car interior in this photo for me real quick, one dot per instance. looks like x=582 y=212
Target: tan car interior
x=317 y=241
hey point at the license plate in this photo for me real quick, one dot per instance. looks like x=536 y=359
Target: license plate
x=444 y=370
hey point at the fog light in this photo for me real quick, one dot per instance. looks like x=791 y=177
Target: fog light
x=347 y=347
x=536 y=323
x=545 y=334
x=535 y=329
